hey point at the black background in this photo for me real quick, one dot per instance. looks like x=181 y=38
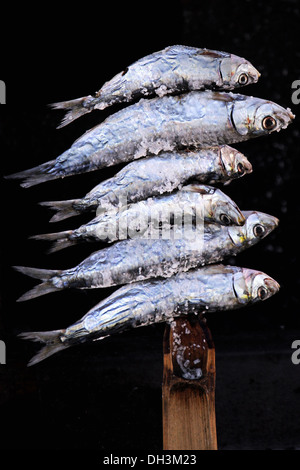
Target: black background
x=107 y=396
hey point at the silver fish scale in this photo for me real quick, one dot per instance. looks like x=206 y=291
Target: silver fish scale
x=148 y=213
x=151 y=126
x=162 y=173
x=117 y=265
x=155 y=175
x=173 y=69
x=157 y=301
x=197 y=119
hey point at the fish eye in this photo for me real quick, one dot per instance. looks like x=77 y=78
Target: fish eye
x=240 y=168
x=269 y=123
x=262 y=292
x=259 y=230
x=243 y=79
x=225 y=219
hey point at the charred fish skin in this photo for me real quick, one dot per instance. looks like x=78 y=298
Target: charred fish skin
x=153 y=176
x=208 y=289
x=197 y=119
x=174 y=69
x=194 y=202
x=134 y=260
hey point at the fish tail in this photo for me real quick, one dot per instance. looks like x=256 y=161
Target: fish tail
x=62 y=239
x=75 y=109
x=51 y=339
x=65 y=209
x=38 y=174
x=45 y=287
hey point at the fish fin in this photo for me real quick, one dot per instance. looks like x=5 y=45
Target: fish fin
x=75 y=109
x=101 y=337
x=52 y=341
x=42 y=289
x=45 y=287
x=223 y=96
x=61 y=245
x=198 y=188
x=65 y=209
x=61 y=240
x=214 y=54
x=37 y=273
x=52 y=236
x=35 y=175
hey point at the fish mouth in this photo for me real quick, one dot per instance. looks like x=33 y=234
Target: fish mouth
x=272 y=285
x=241 y=219
x=247 y=167
x=285 y=116
x=269 y=222
x=231 y=158
x=254 y=74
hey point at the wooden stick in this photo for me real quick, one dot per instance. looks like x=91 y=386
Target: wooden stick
x=189 y=421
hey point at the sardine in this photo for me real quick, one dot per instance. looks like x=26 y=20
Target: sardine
x=208 y=289
x=156 y=175
x=139 y=259
x=174 y=69
x=197 y=119
x=195 y=201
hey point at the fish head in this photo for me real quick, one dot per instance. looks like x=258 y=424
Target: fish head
x=250 y=285
x=256 y=117
x=224 y=211
x=270 y=117
x=234 y=163
x=237 y=72
x=218 y=207
x=259 y=285
x=256 y=227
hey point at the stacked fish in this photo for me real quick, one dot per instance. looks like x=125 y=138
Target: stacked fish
x=182 y=126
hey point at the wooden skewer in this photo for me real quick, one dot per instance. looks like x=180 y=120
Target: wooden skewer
x=189 y=420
